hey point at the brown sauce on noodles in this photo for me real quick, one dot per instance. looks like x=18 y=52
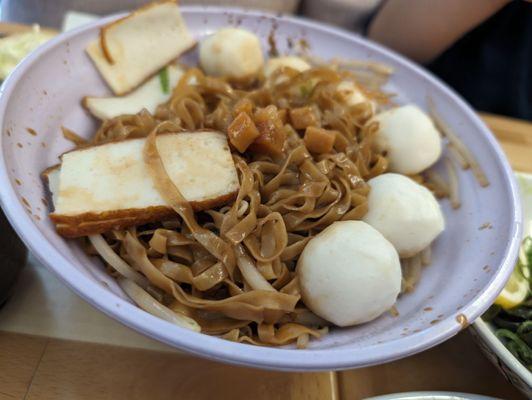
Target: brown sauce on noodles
x=232 y=269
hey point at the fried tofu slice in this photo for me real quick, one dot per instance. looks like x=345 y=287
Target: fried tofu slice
x=147 y=96
x=131 y=50
x=106 y=187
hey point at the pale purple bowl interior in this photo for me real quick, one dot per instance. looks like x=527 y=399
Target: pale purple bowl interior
x=45 y=91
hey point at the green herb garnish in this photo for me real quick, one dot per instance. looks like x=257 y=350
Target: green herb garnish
x=305 y=90
x=165 y=80
x=514 y=326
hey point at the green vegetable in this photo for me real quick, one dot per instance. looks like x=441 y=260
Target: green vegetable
x=527 y=249
x=514 y=326
x=492 y=312
x=516 y=345
x=525 y=332
x=306 y=89
x=165 y=80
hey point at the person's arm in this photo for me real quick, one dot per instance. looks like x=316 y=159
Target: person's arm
x=423 y=29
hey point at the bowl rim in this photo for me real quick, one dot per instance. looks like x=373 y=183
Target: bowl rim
x=486 y=333
x=237 y=353
x=431 y=395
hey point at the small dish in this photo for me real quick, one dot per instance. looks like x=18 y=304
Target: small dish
x=513 y=370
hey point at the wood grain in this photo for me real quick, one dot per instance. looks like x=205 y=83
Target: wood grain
x=75 y=370
x=456 y=365
x=515 y=137
x=19 y=358
x=10 y=28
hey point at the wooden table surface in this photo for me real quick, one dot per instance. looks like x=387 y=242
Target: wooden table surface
x=39 y=367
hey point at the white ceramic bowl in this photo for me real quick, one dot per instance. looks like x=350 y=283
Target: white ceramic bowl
x=431 y=396
x=44 y=92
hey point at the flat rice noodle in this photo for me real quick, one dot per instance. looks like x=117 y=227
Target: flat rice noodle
x=284 y=334
x=170 y=193
x=293 y=250
x=234 y=227
x=211 y=323
x=242 y=229
x=180 y=253
x=255 y=305
x=158 y=242
x=115 y=235
x=217 y=218
x=138 y=256
x=302 y=200
x=250 y=272
x=324 y=216
x=278 y=267
x=379 y=167
x=209 y=278
x=329 y=195
x=296 y=157
x=175 y=271
x=236 y=336
x=349 y=168
x=173 y=238
x=171 y=224
x=232 y=287
x=220 y=326
x=202 y=264
x=306 y=317
x=310 y=171
x=266 y=270
x=356 y=213
x=283 y=278
x=293 y=202
x=325 y=166
x=272 y=238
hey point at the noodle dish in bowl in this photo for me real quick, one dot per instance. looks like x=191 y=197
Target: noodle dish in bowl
x=246 y=200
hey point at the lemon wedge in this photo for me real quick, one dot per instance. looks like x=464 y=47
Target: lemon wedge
x=515 y=291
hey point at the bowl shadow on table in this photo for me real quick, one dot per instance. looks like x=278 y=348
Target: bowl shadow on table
x=456 y=365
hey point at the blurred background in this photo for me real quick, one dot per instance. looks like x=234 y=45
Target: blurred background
x=348 y=13
x=481 y=48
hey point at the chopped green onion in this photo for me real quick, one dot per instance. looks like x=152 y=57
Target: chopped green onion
x=515 y=344
x=527 y=248
x=525 y=332
x=306 y=90
x=514 y=326
x=165 y=80
x=492 y=312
